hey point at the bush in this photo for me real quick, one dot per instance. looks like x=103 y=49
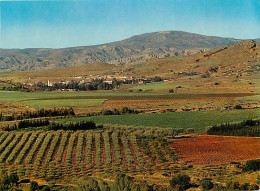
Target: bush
x=180 y=181
x=13 y=178
x=252 y=165
x=206 y=184
x=171 y=91
x=237 y=107
x=245 y=186
x=254 y=187
x=34 y=186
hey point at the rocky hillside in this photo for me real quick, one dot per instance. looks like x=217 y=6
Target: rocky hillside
x=136 y=49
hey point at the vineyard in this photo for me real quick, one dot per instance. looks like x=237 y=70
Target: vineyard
x=56 y=154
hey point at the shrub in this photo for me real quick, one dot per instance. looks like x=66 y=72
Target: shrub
x=181 y=181
x=254 y=187
x=34 y=186
x=237 y=107
x=206 y=184
x=245 y=186
x=252 y=165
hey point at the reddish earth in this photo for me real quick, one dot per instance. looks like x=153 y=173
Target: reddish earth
x=172 y=100
x=205 y=150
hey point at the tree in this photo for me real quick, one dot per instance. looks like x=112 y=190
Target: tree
x=34 y=186
x=206 y=184
x=13 y=178
x=252 y=165
x=238 y=107
x=182 y=181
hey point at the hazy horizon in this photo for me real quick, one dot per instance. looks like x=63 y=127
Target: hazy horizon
x=61 y=24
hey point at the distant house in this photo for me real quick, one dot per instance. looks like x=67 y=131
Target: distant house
x=108 y=82
x=49 y=83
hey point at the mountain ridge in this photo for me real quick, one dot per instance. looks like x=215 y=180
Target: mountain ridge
x=136 y=49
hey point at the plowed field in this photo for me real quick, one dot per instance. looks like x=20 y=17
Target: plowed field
x=205 y=150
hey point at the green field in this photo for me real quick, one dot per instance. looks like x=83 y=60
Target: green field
x=50 y=99
x=197 y=119
x=156 y=86
x=62 y=103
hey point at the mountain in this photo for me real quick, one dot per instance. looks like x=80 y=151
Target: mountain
x=136 y=49
x=241 y=59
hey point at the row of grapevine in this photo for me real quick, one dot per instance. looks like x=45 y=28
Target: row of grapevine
x=43 y=148
x=116 y=148
x=160 y=155
x=35 y=147
x=26 y=148
x=64 y=139
x=8 y=139
x=53 y=146
x=88 y=148
x=107 y=150
x=137 y=151
x=79 y=148
x=3 y=137
x=10 y=147
x=98 y=149
x=68 y=159
x=18 y=148
x=167 y=149
x=128 y=153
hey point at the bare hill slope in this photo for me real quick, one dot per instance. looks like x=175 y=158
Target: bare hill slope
x=136 y=49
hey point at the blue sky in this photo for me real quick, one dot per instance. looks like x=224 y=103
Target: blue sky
x=57 y=24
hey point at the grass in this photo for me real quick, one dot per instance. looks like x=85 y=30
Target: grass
x=2 y=84
x=63 y=103
x=156 y=86
x=197 y=120
x=249 y=98
x=50 y=99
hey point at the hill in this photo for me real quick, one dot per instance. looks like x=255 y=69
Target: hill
x=136 y=49
x=227 y=68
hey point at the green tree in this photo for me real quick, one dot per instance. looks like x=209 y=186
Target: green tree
x=34 y=186
x=182 y=181
x=206 y=184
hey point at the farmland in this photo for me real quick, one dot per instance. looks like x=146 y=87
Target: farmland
x=205 y=150
x=62 y=153
x=197 y=120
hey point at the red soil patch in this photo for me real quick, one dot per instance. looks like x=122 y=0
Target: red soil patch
x=206 y=150
x=160 y=101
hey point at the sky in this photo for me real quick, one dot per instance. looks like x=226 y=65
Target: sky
x=69 y=23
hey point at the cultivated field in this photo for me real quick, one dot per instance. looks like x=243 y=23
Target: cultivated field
x=197 y=120
x=208 y=150
x=65 y=153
